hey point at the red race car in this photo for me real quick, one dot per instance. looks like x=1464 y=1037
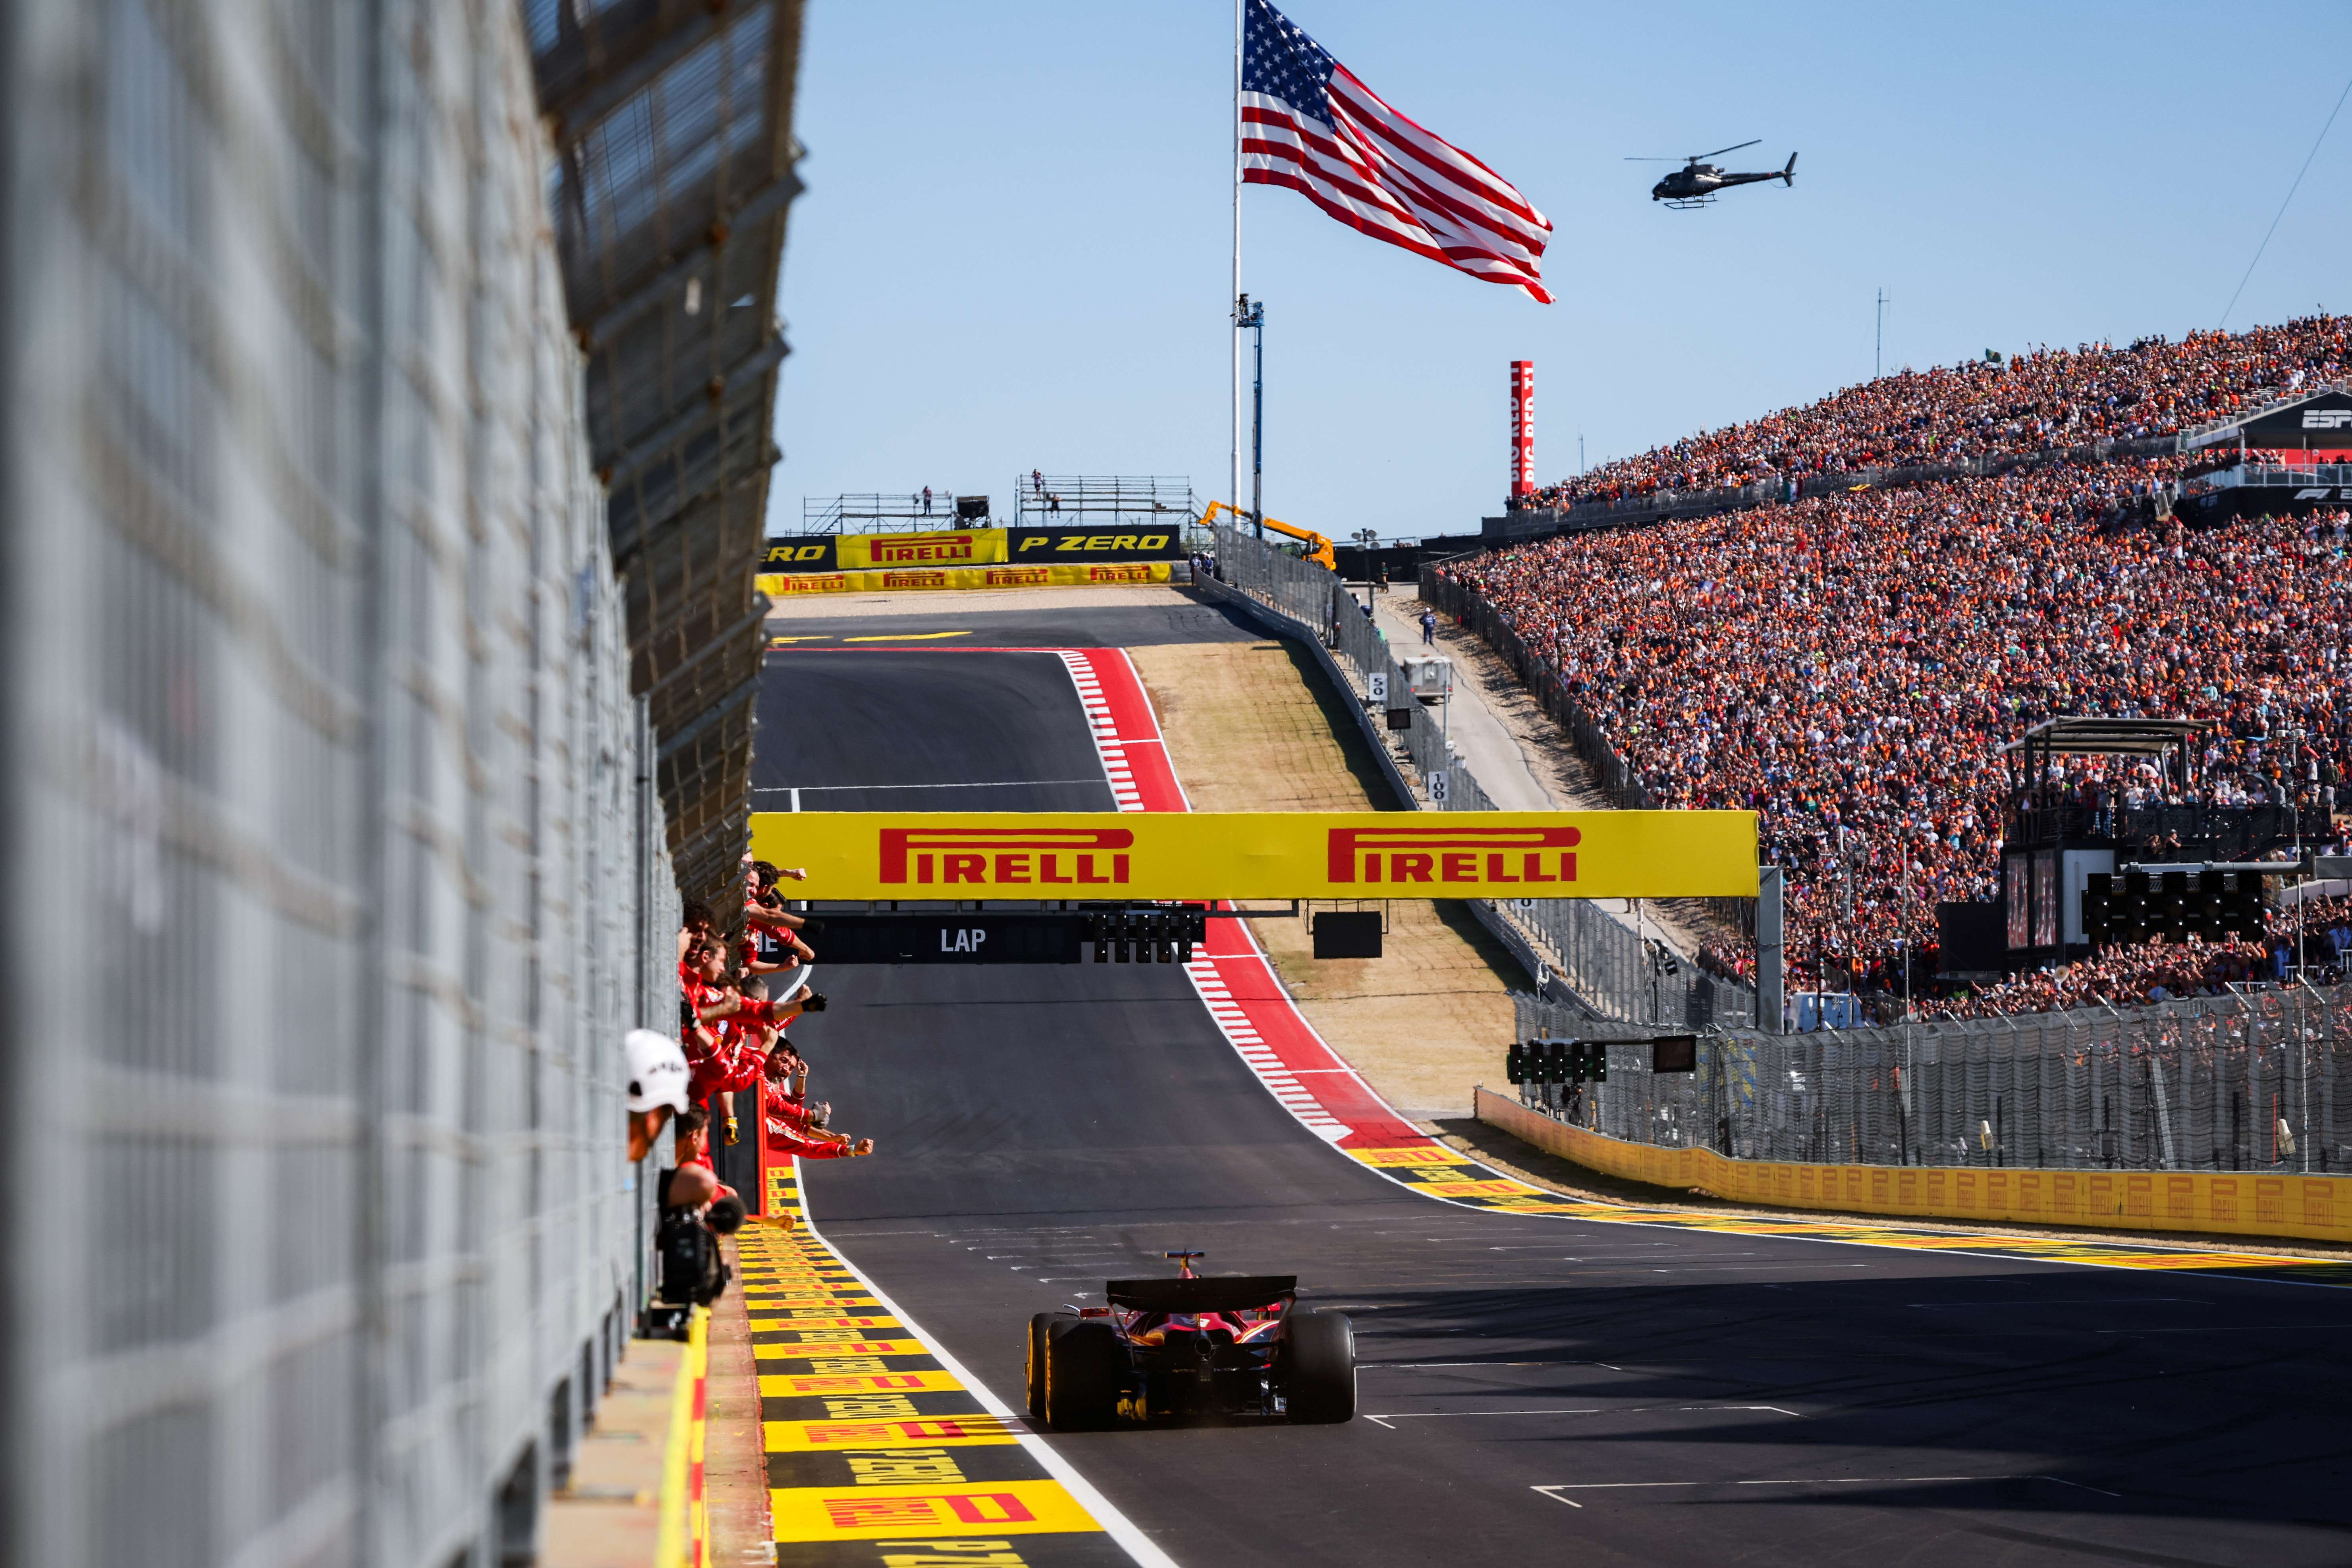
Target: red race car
x=1191 y=1347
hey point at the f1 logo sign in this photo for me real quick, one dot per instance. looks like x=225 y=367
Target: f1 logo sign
x=2326 y=419
x=1452 y=854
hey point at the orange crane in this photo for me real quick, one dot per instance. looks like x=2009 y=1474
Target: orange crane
x=1318 y=548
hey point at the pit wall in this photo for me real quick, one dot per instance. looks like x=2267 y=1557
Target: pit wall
x=2318 y=1208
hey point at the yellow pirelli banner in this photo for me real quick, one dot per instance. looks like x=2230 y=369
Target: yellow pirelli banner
x=1263 y=855
x=902 y=579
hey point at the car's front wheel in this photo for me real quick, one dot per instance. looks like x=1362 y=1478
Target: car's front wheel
x=1319 y=1386
x=1085 y=1366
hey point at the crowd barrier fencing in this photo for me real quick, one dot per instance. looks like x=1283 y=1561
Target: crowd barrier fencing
x=2289 y=1204
x=2259 y=1080
x=1580 y=947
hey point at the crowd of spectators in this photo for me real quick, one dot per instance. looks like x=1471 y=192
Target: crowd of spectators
x=1849 y=667
x=2046 y=400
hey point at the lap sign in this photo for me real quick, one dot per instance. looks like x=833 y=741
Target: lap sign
x=874 y=856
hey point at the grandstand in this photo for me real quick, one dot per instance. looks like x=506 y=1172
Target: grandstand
x=1850 y=665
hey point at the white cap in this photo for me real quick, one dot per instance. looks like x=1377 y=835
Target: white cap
x=658 y=1072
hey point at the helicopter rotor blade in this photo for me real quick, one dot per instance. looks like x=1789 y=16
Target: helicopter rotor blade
x=1654 y=160
x=1720 y=151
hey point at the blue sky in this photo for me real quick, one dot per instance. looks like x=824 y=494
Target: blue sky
x=1014 y=250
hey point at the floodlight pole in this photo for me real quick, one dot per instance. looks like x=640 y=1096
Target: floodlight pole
x=1878 y=342
x=1251 y=314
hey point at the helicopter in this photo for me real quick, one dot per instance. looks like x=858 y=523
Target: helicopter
x=1695 y=183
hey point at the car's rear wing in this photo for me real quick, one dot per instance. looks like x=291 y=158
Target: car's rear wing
x=1212 y=1293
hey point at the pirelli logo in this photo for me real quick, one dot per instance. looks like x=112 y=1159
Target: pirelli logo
x=924 y=549
x=1440 y=854
x=1006 y=856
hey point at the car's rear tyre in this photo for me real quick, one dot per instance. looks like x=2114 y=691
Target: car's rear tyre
x=1319 y=1386
x=1040 y=1327
x=1085 y=1367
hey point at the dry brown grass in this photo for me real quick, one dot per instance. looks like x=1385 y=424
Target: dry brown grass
x=1252 y=727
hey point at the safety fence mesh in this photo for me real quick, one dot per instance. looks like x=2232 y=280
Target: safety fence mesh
x=2253 y=1081
x=334 y=862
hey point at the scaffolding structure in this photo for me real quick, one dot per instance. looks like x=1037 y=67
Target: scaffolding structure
x=1039 y=500
x=899 y=511
x=1077 y=500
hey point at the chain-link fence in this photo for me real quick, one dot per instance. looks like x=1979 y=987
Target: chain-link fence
x=334 y=868
x=1615 y=970
x=2258 y=1081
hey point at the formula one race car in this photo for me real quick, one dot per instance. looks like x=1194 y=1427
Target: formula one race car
x=1168 y=1349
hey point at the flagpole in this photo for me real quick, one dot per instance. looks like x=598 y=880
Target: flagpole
x=1233 y=300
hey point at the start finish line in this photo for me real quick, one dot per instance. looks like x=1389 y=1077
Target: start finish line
x=893 y=856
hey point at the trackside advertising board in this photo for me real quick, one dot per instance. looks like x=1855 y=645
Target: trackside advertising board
x=780 y=586
x=972 y=547
x=1263 y=855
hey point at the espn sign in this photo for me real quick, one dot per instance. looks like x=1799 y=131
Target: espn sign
x=1200 y=856
x=1445 y=856
x=2327 y=418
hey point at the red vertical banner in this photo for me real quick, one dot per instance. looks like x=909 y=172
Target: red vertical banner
x=1523 y=427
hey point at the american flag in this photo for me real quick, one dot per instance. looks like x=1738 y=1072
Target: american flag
x=1307 y=123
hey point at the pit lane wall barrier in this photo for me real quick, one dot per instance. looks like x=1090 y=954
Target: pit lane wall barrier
x=684 y=1541
x=2316 y=1208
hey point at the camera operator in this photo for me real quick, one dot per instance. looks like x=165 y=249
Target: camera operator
x=657 y=1086
x=695 y=1210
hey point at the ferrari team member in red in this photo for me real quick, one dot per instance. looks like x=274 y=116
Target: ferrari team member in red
x=791 y=1131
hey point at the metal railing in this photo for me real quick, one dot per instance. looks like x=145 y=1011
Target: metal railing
x=1660 y=506
x=2158 y=832
x=1077 y=499
x=2257 y=1081
x=900 y=511
x=1617 y=778
x=1614 y=970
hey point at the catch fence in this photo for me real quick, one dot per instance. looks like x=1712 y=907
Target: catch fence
x=1615 y=970
x=334 y=859
x=2257 y=1081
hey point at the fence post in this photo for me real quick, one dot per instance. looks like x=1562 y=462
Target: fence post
x=1769 y=1003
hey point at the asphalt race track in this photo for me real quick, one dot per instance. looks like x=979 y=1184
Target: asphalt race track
x=1533 y=1389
